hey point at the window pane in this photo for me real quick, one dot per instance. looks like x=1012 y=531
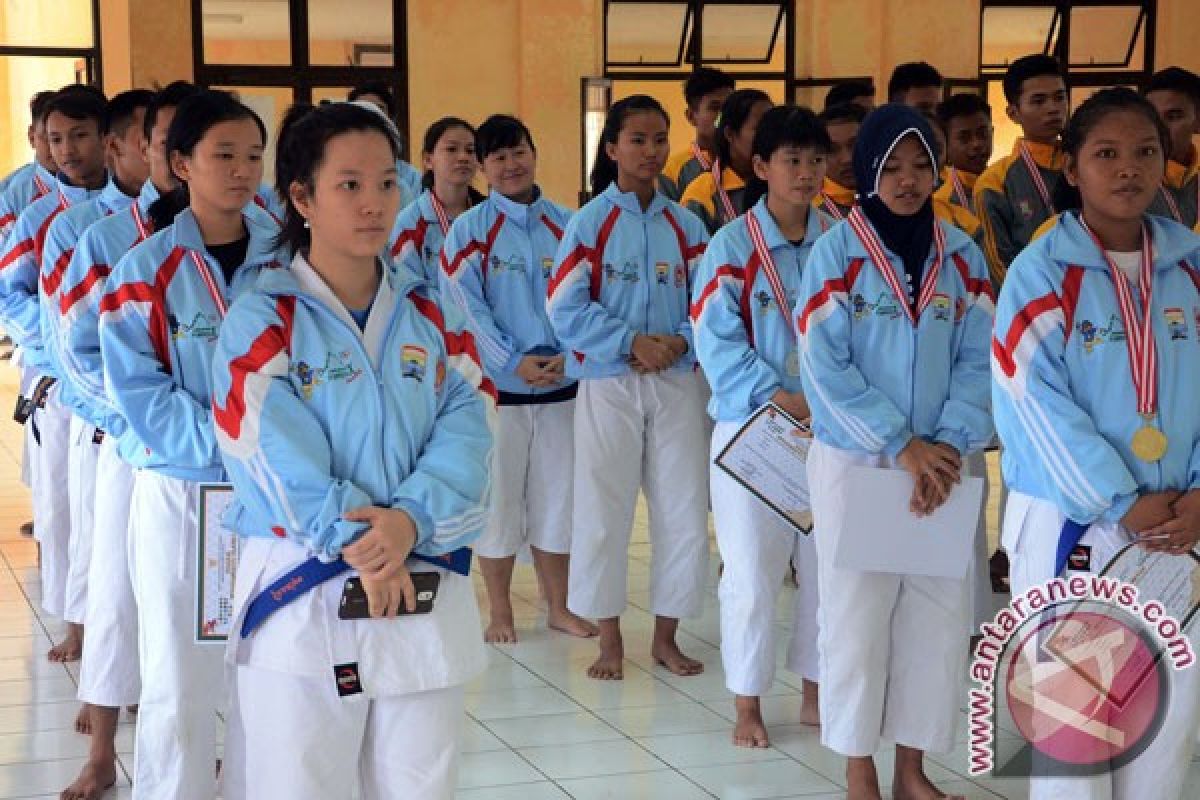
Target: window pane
x=240 y=32
x=363 y=38
x=646 y=33
x=740 y=33
x=1100 y=36
x=25 y=76
x=270 y=103
x=1009 y=33
x=46 y=23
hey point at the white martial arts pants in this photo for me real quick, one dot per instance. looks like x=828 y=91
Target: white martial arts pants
x=51 y=502
x=181 y=680
x=979 y=577
x=531 y=481
x=81 y=491
x=647 y=431
x=108 y=674
x=1030 y=535
x=756 y=547
x=28 y=378
x=292 y=736
x=892 y=654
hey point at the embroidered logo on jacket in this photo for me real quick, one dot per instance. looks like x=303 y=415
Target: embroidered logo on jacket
x=547 y=267
x=884 y=306
x=201 y=326
x=940 y=304
x=338 y=367
x=413 y=359
x=513 y=264
x=1093 y=336
x=626 y=272
x=1176 y=323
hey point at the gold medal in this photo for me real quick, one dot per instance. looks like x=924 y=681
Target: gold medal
x=1149 y=444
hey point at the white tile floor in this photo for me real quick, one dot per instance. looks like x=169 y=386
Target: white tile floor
x=538 y=728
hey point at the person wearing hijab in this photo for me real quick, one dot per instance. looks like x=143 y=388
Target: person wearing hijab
x=893 y=321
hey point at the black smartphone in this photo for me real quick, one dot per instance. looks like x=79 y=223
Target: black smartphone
x=354 y=599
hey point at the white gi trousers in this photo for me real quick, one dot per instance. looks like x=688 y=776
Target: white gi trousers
x=892 y=653
x=51 y=501
x=756 y=548
x=81 y=491
x=108 y=675
x=531 y=480
x=1030 y=535
x=181 y=680
x=648 y=432
x=979 y=578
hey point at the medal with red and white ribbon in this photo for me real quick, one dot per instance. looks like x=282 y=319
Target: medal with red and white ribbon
x=960 y=191
x=726 y=204
x=42 y=188
x=866 y=234
x=1036 y=174
x=211 y=283
x=771 y=270
x=701 y=157
x=1148 y=443
x=831 y=207
x=143 y=227
x=439 y=211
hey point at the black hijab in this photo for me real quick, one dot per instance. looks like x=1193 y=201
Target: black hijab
x=909 y=237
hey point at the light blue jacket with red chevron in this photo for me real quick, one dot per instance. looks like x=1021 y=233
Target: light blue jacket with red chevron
x=316 y=417
x=1063 y=392
x=745 y=342
x=20 y=266
x=61 y=239
x=873 y=379
x=621 y=271
x=496 y=264
x=24 y=186
x=160 y=315
x=416 y=240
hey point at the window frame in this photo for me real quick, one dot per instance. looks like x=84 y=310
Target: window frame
x=91 y=56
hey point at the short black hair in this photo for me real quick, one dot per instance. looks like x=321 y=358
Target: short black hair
x=1027 y=67
x=844 y=112
x=963 y=104
x=705 y=80
x=380 y=88
x=122 y=108
x=912 y=75
x=499 y=131
x=38 y=104
x=847 y=91
x=1176 y=79
x=79 y=102
x=170 y=96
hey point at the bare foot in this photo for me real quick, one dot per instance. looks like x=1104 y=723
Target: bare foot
x=94 y=779
x=749 y=730
x=667 y=654
x=133 y=709
x=918 y=787
x=810 y=706
x=861 y=781
x=70 y=648
x=610 y=664
x=564 y=621
x=501 y=630
x=83 y=720
x=27 y=529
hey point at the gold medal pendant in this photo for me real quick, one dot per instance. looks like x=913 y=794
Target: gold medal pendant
x=1149 y=444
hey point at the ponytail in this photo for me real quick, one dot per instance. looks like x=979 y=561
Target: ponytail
x=604 y=169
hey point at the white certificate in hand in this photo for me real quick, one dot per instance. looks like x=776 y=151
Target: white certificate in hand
x=218 y=553
x=877 y=533
x=768 y=456
x=1174 y=581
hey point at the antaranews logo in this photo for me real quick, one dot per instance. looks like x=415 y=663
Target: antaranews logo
x=1083 y=671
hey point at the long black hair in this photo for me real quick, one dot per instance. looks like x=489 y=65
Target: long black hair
x=433 y=135
x=734 y=113
x=303 y=137
x=1086 y=117
x=194 y=117
x=604 y=169
x=784 y=126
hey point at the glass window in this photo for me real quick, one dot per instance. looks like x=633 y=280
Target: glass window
x=1009 y=33
x=745 y=33
x=647 y=34
x=42 y=23
x=1106 y=37
x=246 y=33
x=362 y=39
x=25 y=76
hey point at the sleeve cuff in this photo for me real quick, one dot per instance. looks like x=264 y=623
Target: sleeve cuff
x=1120 y=507
x=954 y=439
x=627 y=344
x=421 y=520
x=892 y=448
x=510 y=366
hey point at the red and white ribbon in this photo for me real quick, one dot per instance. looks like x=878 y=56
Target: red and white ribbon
x=701 y=157
x=42 y=188
x=769 y=268
x=866 y=234
x=960 y=191
x=1139 y=336
x=726 y=204
x=143 y=227
x=211 y=283
x=439 y=211
x=1035 y=173
x=831 y=207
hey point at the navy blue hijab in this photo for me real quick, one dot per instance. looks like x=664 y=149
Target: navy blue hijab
x=909 y=237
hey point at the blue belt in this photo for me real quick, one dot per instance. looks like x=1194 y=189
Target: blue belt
x=313 y=572
x=1068 y=538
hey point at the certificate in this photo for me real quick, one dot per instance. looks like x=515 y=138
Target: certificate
x=877 y=533
x=218 y=557
x=1172 y=580
x=768 y=456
